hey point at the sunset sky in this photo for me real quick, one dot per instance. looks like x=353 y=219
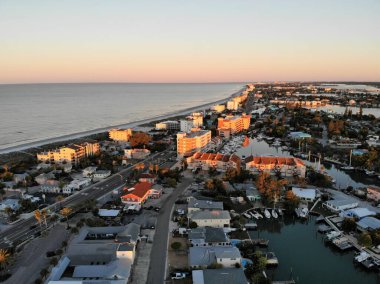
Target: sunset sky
x=188 y=41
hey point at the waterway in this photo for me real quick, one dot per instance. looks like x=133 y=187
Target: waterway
x=343 y=179
x=304 y=256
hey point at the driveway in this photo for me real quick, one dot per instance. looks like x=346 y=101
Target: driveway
x=159 y=250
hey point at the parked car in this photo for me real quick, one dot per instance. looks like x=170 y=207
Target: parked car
x=178 y=275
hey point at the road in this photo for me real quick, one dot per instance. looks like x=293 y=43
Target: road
x=21 y=230
x=158 y=255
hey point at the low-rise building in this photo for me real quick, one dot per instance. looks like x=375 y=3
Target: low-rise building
x=299 y=135
x=368 y=224
x=286 y=166
x=147 y=177
x=220 y=162
x=44 y=178
x=89 y=171
x=221 y=276
x=138 y=194
x=211 y=218
x=338 y=205
x=202 y=257
x=138 y=154
x=194 y=205
x=357 y=213
x=305 y=194
x=218 y=108
x=123 y=135
x=20 y=177
x=101 y=174
x=208 y=236
x=168 y=125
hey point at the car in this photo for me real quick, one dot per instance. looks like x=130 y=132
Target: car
x=157 y=209
x=178 y=275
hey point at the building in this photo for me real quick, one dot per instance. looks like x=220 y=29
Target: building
x=305 y=194
x=286 y=166
x=218 y=161
x=44 y=178
x=194 y=205
x=89 y=171
x=9 y=203
x=101 y=174
x=202 y=257
x=373 y=193
x=357 y=213
x=218 y=108
x=208 y=236
x=147 y=177
x=230 y=125
x=122 y=135
x=299 y=135
x=195 y=120
x=220 y=276
x=168 y=125
x=338 y=205
x=368 y=224
x=72 y=153
x=189 y=143
x=20 y=177
x=212 y=218
x=138 y=154
x=232 y=105
x=138 y=194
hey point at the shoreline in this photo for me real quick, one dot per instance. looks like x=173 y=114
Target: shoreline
x=83 y=134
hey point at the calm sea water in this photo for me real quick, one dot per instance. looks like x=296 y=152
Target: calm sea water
x=35 y=112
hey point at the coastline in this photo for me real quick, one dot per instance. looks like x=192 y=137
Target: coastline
x=83 y=134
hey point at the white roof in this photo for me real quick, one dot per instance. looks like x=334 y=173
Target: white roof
x=308 y=193
x=108 y=213
x=358 y=212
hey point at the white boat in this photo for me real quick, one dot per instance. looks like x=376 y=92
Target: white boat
x=253 y=215
x=276 y=143
x=304 y=212
x=246 y=215
x=332 y=235
x=280 y=211
x=274 y=214
x=267 y=214
x=259 y=215
x=362 y=256
x=370 y=173
x=349 y=167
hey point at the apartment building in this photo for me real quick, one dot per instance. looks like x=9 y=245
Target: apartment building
x=72 y=153
x=194 y=120
x=189 y=143
x=230 y=124
x=218 y=108
x=168 y=125
x=209 y=160
x=117 y=134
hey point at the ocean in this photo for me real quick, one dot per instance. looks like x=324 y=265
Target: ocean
x=30 y=113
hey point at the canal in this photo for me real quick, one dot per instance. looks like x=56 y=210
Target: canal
x=304 y=256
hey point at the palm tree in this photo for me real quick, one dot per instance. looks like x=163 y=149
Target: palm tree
x=4 y=258
x=66 y=211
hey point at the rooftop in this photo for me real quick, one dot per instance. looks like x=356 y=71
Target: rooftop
x=204 y=204
x=220 y=276
x=207 y=214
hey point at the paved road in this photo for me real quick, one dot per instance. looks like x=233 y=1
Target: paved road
x=159 y=250
x=21 y=230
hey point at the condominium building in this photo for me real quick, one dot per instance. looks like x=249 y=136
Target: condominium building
x=120 y=134
x=192 y=121
x=230 y=124
x=218 y=161
x=218 y=108
x=286 y=166
x=189 y=143
x=72 y=153
x=168 y=125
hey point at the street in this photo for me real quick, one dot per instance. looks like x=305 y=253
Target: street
x=159 y=251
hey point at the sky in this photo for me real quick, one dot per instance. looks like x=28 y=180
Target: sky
x=44 y=41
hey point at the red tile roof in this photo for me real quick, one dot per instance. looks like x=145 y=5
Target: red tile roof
x=140 y=189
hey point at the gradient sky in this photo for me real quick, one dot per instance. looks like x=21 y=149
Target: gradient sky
x=188 y=40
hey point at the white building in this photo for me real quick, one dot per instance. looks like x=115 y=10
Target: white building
x=168 y=125
x=101 y=174
x=339 y=205
x=218 y=108
x=211 y=218
x=89 y=171
x=305 y=194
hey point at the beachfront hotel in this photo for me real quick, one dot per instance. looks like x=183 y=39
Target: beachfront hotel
x=286 y=166
x=123 y=135
x=230 y=125
x=72 y=153
x=189 y=143
x=218 y=161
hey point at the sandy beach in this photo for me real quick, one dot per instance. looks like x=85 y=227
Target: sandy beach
x=63 y=138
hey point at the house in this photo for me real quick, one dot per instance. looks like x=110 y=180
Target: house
x=156 y=191
x=20 y=177
x=138 y=194
x=147 y=177
x=218 y=161
x=285 y=166
x=109 y=213
x=252 y=193
x=305 y=194
x=373 y=193
x=138 y=154
x=43 y=178
x=208 y=236
x=51 y=187
x=219 y=276
x=89 y=171
x=198 y=204
x=212 y=218
x=79 y=183
x=299 y=135
x=101 y=174
x=338 y=205
x=9 y=203
x=368 y=224
x=357 y=213
x=202 y=257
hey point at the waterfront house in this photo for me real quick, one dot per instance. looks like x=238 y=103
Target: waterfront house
x=202 y=257
x=305 y=194
x=368 y=224
x=218 y=161
x=208 y=236
x=338 y=205
x=221 y=276
x=373 y=193
x=199 y=204
x=297 y=135
x=357 y=213
x=212 y=218
x=286 y=166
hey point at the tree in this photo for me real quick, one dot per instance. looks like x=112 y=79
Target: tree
x=193 y=225
x=8 y=211
x=44 y=272
x=74 y=230
x=365 y=239
x=66 y=211
x=176 y=246
x=54 y=261
x=140 y=139
x=291 y=201
x=259 y=261
x=269 y=187
x=4 y=258
x=348 y=225
x=171 y=182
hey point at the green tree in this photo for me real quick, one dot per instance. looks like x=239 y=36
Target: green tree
x=365 y=239
x=193 y=225
x=348 y=225
x=176 y=246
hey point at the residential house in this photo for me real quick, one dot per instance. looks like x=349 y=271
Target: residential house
x=212 y=218
x=20 y=177
x=101 y=174
x=89 y=171
x=147 y=177
x=203 y=257
x=138 y=154
x=338 y=205
x=220 y=276
x=357 y=213
x=199 y=204
x=44 y=178
x=305 y=194
x=368 y=224
x=208 y=236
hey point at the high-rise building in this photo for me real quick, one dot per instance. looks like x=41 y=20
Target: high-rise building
x=189 y=143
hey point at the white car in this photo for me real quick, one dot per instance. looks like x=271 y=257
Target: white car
x=178 y=276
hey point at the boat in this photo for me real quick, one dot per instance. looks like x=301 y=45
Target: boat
x=370 y=173
x=267 y=214
x=332 y=235
x=349 y=167
x=302 y=212
x=274 y=214
x=246 y=215
x=360 y=257
x=250 y=226
x=259 y=215
x=271 y=258
x=280 y=211
x=253 y=215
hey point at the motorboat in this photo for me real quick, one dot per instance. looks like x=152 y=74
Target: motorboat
x=259 y=215
x=362 y=256
x=246 y=215
x=280 y=211
x=267 y=213
x=332 y=235
x=253 y=215
x=274 y=214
